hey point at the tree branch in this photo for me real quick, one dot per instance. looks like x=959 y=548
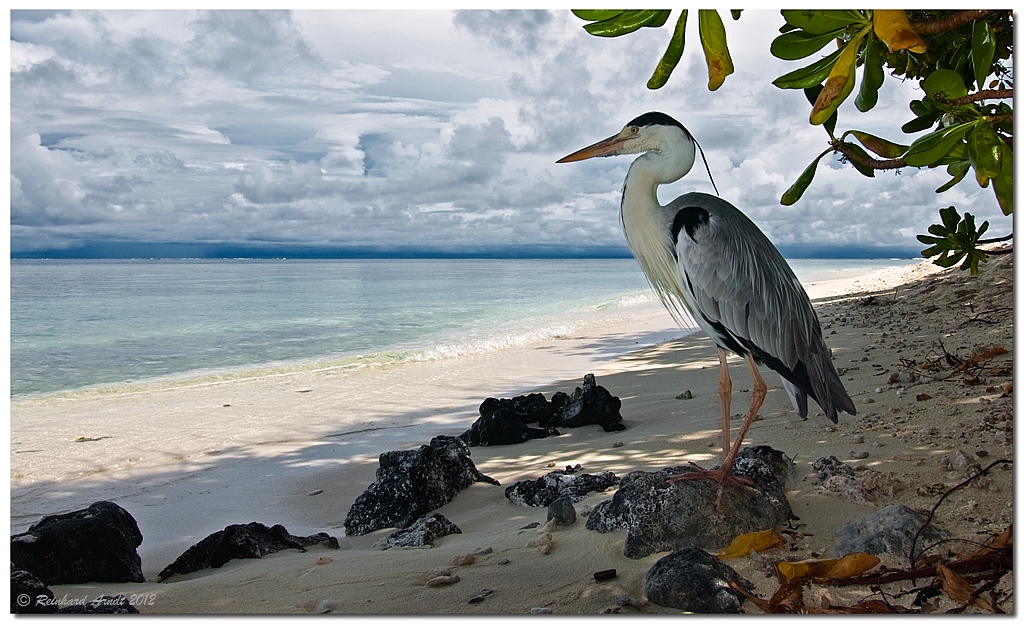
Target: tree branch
x=984 y=94
x=956 y=20
x=871 y=163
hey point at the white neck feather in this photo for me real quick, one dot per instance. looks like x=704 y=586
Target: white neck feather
x=647 y=231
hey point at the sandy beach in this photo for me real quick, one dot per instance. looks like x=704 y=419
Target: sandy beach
x=329 y=434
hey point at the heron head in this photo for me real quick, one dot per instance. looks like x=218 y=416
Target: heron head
x=669 y=148
x=650 y=132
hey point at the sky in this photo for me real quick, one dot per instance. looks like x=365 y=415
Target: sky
x=413 y=133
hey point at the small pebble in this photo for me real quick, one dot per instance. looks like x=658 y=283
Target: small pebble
x=544 y=549
x=981 y=453
x=625 y=600
x=685 y=395
x=326 y=606
x=859 y=455
x=480 y=597
x=314 y=492
x=878 y=391
x=443 y=571
x=866 y=400
x=604 y=575
x=323 y=560
x=618 y=444
x=438 y=581
x=607 y=610
x=467 y=559
x=503 y=561
x=552 y=464
x=858 y=438
x=537 y=610
x=483 y=551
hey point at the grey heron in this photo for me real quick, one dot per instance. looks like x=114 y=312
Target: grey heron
x=701 y=254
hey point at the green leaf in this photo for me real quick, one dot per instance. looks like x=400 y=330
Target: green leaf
x=873 y=77
x=800 y=44
x=920 y=123
x=944 y=84
x=885 y=149
x=793 y=194
x=716 y=49
x=955 y=240
x=959 y=171
x=596 y=15
x=983 y=49
x=985 y=151
x=673 y=53
x=864 y=171
x=1003 y=183
x=627 y=22
x=820 y=22
x=736 y=13
x=931 y=147
x=805 y=77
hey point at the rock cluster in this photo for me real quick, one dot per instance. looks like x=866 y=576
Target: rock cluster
x=504 y=421
x=411 y=484
x=241 y=541
x=662 y=517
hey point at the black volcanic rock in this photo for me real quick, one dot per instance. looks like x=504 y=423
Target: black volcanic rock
x=695 y=581
x=423 y=532
x=504 y=426
x=29 y=594
x=96 y=544
x=241 y=541
x=411 y=484
x=659 y=516
x=590 y=404
x=559 y=484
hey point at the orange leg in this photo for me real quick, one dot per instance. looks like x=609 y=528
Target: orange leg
x=724 y=472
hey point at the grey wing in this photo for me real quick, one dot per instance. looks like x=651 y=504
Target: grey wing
x=742 y=285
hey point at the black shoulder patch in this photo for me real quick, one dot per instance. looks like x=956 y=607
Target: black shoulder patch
x=691 y=218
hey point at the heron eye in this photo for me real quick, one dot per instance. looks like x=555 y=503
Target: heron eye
x=633 y=130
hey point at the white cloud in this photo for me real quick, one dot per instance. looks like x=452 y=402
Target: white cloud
x=358 y=127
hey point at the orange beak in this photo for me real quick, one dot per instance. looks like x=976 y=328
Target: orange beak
x=607 y=147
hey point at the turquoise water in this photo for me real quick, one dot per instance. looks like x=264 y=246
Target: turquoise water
x=77 y=324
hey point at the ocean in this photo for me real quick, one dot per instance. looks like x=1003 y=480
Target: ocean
x=88 y=324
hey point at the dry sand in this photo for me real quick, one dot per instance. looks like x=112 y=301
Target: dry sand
x=906 y=430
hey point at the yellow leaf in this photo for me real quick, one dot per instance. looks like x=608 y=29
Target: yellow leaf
x=893 y=28
x=852 y=565
x=756 y=541
x=808 y=568
x=839 y=83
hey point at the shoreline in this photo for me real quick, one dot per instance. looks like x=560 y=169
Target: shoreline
x=268 y=481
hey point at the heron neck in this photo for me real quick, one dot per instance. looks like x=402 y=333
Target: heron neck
x=647 y=235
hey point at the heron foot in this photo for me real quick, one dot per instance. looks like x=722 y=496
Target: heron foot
x=722 y=475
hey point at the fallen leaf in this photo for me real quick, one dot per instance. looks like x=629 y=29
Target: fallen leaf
x=954 y=585
x=853 y=564
x=809 y=568
x=756 y=541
